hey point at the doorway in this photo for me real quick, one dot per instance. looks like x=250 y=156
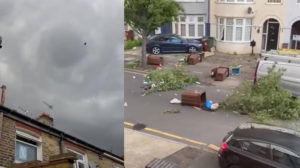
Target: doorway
x=295 y=41
x=270 y=35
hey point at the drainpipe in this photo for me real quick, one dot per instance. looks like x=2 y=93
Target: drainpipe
x=208 y=15
x=61 y=145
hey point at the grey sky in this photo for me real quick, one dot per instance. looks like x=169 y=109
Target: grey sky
x=44 y=58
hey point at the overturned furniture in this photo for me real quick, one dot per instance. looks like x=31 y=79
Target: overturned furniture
x=193 y=98
x=155 y=60
x=220 y=73
x=194 y=58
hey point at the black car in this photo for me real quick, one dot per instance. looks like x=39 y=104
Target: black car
x=260 y=146
x=172 y=44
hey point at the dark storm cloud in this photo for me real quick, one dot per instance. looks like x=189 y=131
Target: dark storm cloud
x=69 y=54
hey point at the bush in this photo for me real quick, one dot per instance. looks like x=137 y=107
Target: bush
x=132 y=43
x=265 y=100
x=170 y=79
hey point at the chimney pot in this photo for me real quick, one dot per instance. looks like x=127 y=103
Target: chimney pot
x=46 y=119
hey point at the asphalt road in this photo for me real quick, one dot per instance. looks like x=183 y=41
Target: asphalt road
x=203 y=126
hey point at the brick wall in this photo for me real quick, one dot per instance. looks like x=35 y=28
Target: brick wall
x=7 y=142
x=50 y=146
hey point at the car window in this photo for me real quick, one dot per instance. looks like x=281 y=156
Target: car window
x=162 y=39
x=285 y=157
x=235 y=143
x=256 y=148
x=175 y=40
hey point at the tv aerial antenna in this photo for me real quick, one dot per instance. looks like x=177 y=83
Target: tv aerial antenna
x=25 y=111
x=49 y=106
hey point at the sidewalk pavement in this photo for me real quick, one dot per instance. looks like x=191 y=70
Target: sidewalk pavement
x=141 y=148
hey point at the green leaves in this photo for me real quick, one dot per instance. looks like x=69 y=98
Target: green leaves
x=144 y=16
x=265 y=100
x=170 y=79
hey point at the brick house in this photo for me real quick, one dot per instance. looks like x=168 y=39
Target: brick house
x=23 y=139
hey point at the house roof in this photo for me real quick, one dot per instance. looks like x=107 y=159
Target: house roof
x=13 y=114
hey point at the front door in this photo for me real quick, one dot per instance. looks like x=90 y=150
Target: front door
x=272 y=37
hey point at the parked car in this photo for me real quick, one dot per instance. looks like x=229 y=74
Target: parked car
x=290 y=79
x=260 y=146
x=172 y=44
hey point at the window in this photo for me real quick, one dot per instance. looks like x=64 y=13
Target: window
x=175 y=40
x=190 y=26
x=234 y=29
x=256 y=148
x=274 y=1
x=285 y=157
x=236 y=1
x=81 y=161
x=28 y=148
x=235 y=143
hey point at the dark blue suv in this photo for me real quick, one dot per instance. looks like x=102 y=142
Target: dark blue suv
x=172 y=44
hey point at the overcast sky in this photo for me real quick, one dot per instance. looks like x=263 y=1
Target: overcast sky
x=44 y=58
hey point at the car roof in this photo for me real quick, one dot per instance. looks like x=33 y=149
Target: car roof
x=275 y=135
x=165 y=35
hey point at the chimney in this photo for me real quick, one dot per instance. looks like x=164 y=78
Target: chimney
x=45 y=119
x=2 y=101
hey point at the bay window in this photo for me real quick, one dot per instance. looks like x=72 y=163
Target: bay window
x=190 y=26
x=234 y=29
x=81 y=161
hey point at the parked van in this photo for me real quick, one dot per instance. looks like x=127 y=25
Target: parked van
x=281 y=58
x=291 y=76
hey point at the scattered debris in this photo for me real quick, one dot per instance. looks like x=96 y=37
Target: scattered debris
x=125 y=104
x=198 y=83
x=220 y=73
x=146 y=81
x=139 y=126
x=236 y=70
x=197 y=108
x=193 y=98
x=173 y=111
x=175 y=101
x=209 y=105
x=175 y=94
x=133 y=77
x=218 y=90
x=235 y=112
x=181 y=60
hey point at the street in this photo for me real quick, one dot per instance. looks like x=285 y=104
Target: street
x=203 y=126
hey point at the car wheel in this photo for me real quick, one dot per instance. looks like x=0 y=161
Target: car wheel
x=192 y=49
x=155 y=50
x=234 y=166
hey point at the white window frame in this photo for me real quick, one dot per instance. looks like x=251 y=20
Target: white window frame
x=38 y=140
x=84 y=156
x=236 y=1
x=187 y=22
x=234 y=26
